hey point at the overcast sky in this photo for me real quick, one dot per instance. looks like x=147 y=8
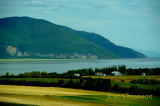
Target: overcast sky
x=129 y=23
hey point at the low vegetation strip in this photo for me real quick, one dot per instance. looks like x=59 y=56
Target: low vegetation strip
x=127 y=78
x=83 y=83
x=87 y=83
x=142 y=86
x=146 y=81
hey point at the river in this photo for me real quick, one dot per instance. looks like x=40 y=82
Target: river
x=61 y=66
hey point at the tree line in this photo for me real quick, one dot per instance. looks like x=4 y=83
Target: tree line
x=85 y=72
x=128 y=71
x=97 y=84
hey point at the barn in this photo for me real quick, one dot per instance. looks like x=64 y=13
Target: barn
x=116 y=73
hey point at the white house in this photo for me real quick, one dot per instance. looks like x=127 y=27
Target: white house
x=99 y=74
x=143 y=74
x=77 y=75
x=116 y=73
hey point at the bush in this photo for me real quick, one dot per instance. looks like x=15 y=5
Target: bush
x=97 y=84
x=134 y=90
x=60 y=83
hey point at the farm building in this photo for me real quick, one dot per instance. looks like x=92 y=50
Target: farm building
x=143 y=74
x=77 y=75
x=116 y=73
x=99 y=74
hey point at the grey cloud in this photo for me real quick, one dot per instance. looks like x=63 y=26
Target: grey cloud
x=37 y=3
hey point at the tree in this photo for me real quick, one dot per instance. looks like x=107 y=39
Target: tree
x=91 y=71
x=7 y=74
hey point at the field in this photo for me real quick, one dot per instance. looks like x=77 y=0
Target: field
x=45 y=80
x=34 y=95
x=65 y=96
x=128 y=78
x=123 y=81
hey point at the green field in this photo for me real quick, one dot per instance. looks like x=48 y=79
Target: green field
x=39 y=79
x=64 y=96
x=126 y=79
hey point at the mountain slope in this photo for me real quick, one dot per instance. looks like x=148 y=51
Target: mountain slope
x=150 y=53
x=101 y=41
x=25 y=37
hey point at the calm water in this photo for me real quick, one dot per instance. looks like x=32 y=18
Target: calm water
x=61 y=66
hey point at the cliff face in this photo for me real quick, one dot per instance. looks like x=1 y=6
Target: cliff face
x=24 y=37
x=14 y=52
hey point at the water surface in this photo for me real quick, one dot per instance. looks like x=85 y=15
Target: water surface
x=61 y=66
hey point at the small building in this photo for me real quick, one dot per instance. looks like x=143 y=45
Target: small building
x=116 y=73
x=143 y=74
x=77 y=75
x=99 y=74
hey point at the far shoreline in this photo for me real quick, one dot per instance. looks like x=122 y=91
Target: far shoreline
x=30 y=59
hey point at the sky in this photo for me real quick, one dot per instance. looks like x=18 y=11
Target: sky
x=129 y=23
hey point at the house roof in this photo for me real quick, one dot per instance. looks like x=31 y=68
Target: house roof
x=115 y=72
x=99 y=73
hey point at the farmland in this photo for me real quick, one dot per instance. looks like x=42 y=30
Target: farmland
x=52 y=81
x=123 y=81
x=42 y=88
x=128 y=78
x=66 y=96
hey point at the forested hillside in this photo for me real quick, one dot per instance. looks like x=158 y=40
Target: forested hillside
x=25 y=37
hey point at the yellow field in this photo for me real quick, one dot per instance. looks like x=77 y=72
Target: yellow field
x=55 y=96
x=128 y=78
x=40 y=95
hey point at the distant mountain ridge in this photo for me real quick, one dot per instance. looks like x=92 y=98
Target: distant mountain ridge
x=25 y=37
x=150 y=53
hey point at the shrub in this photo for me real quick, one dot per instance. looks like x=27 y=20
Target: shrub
x=134 y=90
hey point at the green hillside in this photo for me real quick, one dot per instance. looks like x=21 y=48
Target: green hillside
x=25 y=37
x=119 y=50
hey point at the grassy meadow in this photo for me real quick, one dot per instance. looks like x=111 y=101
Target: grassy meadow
x=39 y=79
x=128 y=78
x=123 y=81
x=65 y=96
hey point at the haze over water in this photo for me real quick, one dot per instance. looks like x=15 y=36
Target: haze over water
x=61 y=66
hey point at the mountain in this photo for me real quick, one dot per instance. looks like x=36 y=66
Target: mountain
x=25 y=37
x=150 y=53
